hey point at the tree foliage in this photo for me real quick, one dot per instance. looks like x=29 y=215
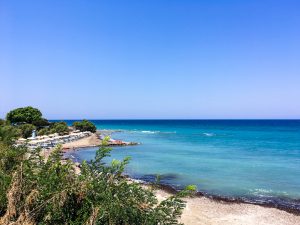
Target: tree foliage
x=84 y=125
x=41 y=123
x=24 y=115
x=8 y=133
x=59 y=127
x=51 y=192
x=10 y=159
x=44 y=131
x=26 y=129
x=2 y=122
x=56 y=127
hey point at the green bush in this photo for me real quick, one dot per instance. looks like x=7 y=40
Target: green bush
x=10 y=160
x=26 y=130
x=59 y=127
x=51 y=192
x=56 y=127
x=8 y=133
x=44 y=131
x=84 y=125
x=2 y=122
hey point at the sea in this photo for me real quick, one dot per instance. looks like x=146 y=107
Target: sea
x=254 y=161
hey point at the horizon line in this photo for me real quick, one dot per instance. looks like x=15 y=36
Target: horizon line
x=186 y=119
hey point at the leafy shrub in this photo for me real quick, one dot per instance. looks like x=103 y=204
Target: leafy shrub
x=10 y=159
x=51 y=192
x=56 y=127
x=44 y=131
x=2 y=122
x=84 y=125
x=59 y=127
x=9 y=133
x=26 y=130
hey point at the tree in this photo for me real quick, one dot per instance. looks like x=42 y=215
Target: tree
x=59 y=127
x=41 y=123
x=26 y=130
x=56 y=127
x=24 y=115
x=85 y=125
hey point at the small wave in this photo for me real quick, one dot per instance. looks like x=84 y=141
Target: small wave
x=156 y=132
x=209 y=134
x=143 y=131
x=149 y=132
x=260 y=192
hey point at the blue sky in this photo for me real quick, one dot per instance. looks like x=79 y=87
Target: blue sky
x=151 y=59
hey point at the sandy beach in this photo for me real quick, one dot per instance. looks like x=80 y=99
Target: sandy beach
x=89 y=141
x=205 y=211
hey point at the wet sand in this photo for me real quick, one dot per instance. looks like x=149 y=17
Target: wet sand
x=205 y=211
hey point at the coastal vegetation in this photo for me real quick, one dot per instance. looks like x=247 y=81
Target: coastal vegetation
x=23 y=121
x=56 y=127
x=39 y=190
x=84 y=125
x=26 y=129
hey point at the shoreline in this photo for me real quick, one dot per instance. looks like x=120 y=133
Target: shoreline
x=204 y=208
x=231 y=200
x=217 y=210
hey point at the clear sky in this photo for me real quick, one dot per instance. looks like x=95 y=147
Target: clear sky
x=151 y=59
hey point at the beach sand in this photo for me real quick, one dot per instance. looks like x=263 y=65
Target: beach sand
x=90 y=141
x=205 y=211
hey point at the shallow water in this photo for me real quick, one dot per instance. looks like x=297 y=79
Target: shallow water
x=257 y=160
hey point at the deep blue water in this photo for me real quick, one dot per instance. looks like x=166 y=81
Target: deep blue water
x=257 y=160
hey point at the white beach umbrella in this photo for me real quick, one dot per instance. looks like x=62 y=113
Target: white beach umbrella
x=47 y=140
x=21 y=139
x=56 y=138
x=31 y=138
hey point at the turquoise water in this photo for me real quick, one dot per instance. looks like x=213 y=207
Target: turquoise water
x=256 y=160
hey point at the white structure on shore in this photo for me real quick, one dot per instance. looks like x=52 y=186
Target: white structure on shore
x=50 y=141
